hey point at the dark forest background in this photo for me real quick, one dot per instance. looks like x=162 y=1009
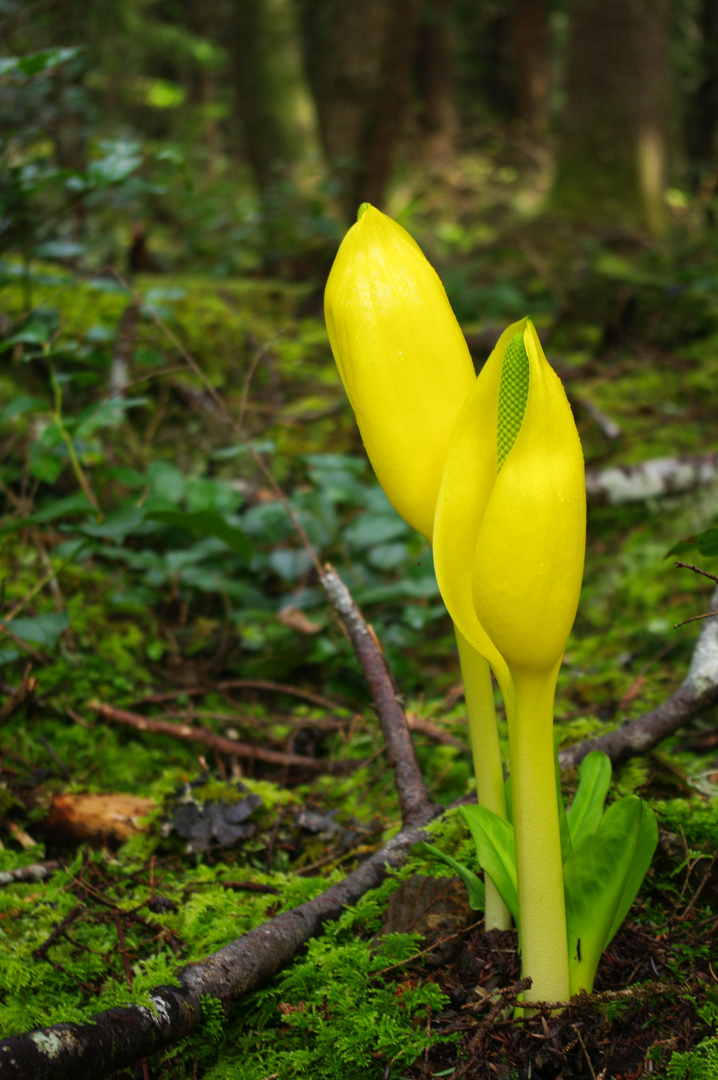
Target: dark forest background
x=253 y=129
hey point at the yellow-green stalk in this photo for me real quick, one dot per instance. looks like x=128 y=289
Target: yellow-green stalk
x=486 y=753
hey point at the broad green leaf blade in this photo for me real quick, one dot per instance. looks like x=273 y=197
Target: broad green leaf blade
x=706 y=543
x=646 y=842
x=586 y=811
x=474 y=886
x=494 y=839
x=43 y=630
x=117 y=526
x=598 y=879
x=206 y=523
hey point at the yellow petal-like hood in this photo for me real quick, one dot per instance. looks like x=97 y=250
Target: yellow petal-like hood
x=402 y=358
x=528 y=560
x=466 y=487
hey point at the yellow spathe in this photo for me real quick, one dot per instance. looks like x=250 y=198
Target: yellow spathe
x=509 y=544
x=402 y=357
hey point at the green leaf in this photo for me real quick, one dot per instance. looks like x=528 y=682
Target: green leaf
x=39 y=62
x=116 y=526
x=646 y=843
x=43 y=630
x=474 y=885
x=206 y=523
x=494 y=839
x=601 y=880
x=20 y=405
x=121 y=160
x=706 y=543
x=586 y=811
x=66 y=507
x=564 y=832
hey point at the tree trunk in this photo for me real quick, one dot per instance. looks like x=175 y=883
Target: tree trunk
x=529 y=29
x=612 y=159
x=702 y=109
x=357 y=59
x=438 y=120
x=265 y=81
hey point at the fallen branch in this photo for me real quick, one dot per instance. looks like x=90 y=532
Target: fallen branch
x=648 y=479
x=34 y=872
x=19 y=697
x=414 y=800
x=216 y=742
x=697 y=692
x=118 y=1037
x=245 y=684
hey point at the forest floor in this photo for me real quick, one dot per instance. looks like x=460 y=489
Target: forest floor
x=151 y=576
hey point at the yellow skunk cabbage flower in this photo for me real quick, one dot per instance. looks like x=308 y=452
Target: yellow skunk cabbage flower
x=402 y=357
x=509 y=537
x=509 y=544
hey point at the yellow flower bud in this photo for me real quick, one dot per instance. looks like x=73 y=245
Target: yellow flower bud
x=402 y=357
x=509 y=536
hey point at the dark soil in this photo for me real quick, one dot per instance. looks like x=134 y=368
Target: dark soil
x=642 y=1010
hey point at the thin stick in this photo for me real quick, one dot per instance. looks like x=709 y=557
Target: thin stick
x=247 y=684
x=697 y=692
x=217 y=742
x=695 y=569
x=414 y=800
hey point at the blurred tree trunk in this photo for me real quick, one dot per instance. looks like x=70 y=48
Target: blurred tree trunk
x=612 y=158
x=529 y=30
x=702 y=109
x=276 y=124
x=259 y=33
x=438 y=118
x=357 y=59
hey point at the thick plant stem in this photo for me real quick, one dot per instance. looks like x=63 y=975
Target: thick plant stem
x=539 y=866
x=487 y=758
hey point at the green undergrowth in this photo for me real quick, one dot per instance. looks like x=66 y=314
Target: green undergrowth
x=187 y=574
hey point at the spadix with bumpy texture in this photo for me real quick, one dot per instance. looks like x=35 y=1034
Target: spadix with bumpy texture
x=402 y=357
x=513 y=391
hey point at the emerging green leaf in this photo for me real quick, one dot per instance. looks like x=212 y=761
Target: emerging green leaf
x=585 y=812
x=494 y=839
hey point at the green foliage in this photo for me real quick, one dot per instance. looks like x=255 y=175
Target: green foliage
x=212 y=1018
x=185 y=574
x=696 y=819
x=606 y=854
x=338 y=1014
x=698 y=1064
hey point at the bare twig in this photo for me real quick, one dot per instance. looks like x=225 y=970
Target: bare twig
x=34 y=872
x=217 y=742
x=649 y=479
x=697 y=692
x=24 y=693
x=414 y=801
x=695 y=569
x=246 y=684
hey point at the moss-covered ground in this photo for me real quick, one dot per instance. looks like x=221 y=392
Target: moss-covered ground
x=148 y=564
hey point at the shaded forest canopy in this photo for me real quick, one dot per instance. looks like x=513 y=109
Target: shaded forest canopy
x=190 y=746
